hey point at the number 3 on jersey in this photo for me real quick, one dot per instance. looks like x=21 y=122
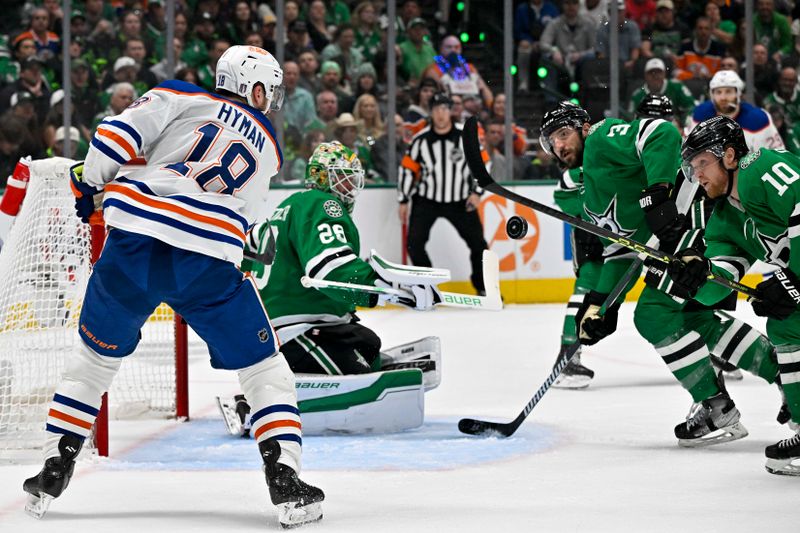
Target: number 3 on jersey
x=232 y=170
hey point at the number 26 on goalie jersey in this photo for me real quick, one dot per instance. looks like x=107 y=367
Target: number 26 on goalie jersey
x=225 y=174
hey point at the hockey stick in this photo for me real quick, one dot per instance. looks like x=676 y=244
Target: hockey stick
x=476 y=166
x=491 y=280
x=471 y=426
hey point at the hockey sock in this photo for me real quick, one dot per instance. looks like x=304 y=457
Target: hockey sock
x=77 y=399
x=687 y=357
x=789 y=362
x=746 y=348
x=569 y=333
x=269 y=388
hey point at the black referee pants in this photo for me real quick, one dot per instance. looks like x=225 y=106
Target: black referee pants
x=425 y=212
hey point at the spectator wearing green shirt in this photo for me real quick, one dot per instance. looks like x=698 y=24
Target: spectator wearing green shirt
x=298 y=103
x=786 y=95
x=368 y=36
x=9 y=66
x=772 y=29
x=656 y=82
x=722 y=30
x=343 y=52
x=207 y=72
x=417 y=52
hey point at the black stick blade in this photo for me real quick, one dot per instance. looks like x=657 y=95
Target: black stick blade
x=472 y=152
x=471 y=426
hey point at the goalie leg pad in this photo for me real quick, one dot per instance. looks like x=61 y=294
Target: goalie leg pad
x=270 y=390
x=77 y=399
x=425 y=354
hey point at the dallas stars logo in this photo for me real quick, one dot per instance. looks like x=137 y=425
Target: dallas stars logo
x=776 y=248
x=608 y=220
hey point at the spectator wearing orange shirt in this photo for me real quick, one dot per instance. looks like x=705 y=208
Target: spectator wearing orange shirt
x=700 y=57
x=48 y=44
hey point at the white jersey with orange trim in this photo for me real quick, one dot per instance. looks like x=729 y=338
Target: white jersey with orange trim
x=208 y=161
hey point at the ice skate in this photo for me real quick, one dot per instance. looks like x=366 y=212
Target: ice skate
x=783 y=457
x=574 y=375
x=713 y=421
x=235 y=414
x=298 y=502
x=48 y=484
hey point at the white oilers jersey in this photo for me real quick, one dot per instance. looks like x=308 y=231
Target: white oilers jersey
x=759 y=130
x=185 y=166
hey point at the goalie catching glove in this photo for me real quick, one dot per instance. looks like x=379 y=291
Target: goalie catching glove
x=592 y=326
x=779 y=296
x=88 y=199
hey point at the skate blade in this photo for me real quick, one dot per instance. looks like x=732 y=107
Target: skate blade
x=230 y=417
x=37 y=506
x=727 y=434
x=783 y=467
x=572 y=382
x=733 y=375
x=292 y=515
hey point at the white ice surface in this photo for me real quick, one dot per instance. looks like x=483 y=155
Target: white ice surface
x=602 y=459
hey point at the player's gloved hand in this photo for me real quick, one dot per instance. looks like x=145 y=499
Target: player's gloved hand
x=87 y=197
x=661 y=213
x=592 y=326
x=689 y=271
x=420 y=297
x=779 y=296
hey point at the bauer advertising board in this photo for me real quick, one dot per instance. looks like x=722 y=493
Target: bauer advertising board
x=542 y=256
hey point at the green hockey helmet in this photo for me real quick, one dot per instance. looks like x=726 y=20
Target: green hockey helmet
x=336 y=169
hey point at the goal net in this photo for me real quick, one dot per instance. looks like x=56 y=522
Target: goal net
x=44 y=267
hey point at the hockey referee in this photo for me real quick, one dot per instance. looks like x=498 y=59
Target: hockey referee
x=435 y=181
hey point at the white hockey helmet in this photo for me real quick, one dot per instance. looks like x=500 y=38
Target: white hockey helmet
x=726 y=78
x=241 y=67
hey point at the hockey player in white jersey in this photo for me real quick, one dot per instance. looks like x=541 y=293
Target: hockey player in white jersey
x=725 y=91
x=177 y=227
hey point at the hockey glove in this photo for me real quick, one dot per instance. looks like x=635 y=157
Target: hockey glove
x=689 y=272
x=419 y=297
x=87 y=198
x=779 y=296
x=592 y=326
x=661 y=214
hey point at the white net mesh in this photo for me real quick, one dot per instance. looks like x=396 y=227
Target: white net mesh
x=44 y=268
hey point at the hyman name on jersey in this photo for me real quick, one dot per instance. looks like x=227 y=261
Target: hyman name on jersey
x=240 y=121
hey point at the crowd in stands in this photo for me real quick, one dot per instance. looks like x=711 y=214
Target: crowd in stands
x=335 y=66
x=669 y=47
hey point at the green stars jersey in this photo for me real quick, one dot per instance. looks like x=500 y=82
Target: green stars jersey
x=682 y=100
x=620 y=160
x=316 y=237
x=568 y=194
x=764 y=224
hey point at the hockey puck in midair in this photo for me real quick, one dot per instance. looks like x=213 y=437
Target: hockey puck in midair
x=516 y=227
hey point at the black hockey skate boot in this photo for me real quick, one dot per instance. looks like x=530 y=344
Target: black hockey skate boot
x=574 y=375
x=781 y=456
x=714 y=421
x=298 y=502
x=48 y=484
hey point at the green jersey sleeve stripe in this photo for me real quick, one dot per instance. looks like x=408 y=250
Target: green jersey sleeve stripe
x=794 y=222
x=737 y=266
x=566 y=181
x=321 y=265
x=646 y=128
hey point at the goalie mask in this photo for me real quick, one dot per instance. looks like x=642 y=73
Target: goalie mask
x=242 y=67
x=336 y=169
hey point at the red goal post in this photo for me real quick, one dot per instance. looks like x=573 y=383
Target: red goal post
x=45 y=264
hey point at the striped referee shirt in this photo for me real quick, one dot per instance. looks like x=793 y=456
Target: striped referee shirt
x=435 y=168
